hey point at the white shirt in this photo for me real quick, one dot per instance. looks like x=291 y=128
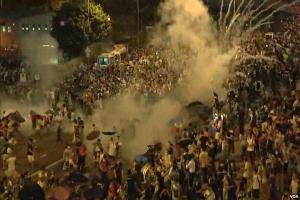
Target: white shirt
x=203 y=157
x=256 y=181
x=191 y=166
x=250 y=144
x=11 y=163
x=294 y=186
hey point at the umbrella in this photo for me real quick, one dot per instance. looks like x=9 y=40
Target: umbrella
x=94 y=192
x=185 y=142
x=60 y=193
x=76 y=177
x=15 y=115
x=199 y=109
x=93 y=135
x=8 y=112
x=108 y=132
x=18 y=117
x=31 y=191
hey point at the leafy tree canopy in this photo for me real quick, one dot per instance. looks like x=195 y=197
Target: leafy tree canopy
x=77 y=25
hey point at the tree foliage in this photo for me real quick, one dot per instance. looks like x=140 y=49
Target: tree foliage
x=75 y=26
x=148 y=8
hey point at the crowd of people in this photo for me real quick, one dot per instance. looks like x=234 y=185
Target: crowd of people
x=249 y=149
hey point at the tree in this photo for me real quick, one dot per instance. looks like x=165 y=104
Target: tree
x=75 y=26
x=147 y=8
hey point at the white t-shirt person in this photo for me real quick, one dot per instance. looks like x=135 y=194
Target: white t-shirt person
x=11 y=169
x=250 y=144
x=191 y=166
x=256 y=180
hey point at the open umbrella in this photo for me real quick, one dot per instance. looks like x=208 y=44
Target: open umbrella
x=14 y=115
x=93 y=135
x=77 y=178
x=8 y=112
x=31 y=191
x=61 y=193
x=108 y=132
x=18 y=117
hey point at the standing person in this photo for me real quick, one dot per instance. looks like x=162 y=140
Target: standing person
x=295 y=186
x=81 y=157
x=225 y=188
x=176 y=190
x=118 y=145
x=250 y=147
x=241 y=120
x=68 y=157
x=112 y=148
x=132 y=190
x=243 y=142
x=30 y=154
x=76 y=131
x=191 y=168
x=59 y=134
x=11 y=171
x=80 y=127
x=230 y=140
x=256 y=183
x=203 y=158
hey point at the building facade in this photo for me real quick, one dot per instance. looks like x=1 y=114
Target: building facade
x=8 y=36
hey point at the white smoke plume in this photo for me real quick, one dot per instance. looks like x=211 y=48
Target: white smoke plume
x=191 y=34
x=40 y=53
x=188 y=30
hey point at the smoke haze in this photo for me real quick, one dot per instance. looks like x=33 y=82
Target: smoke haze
x=188 y=30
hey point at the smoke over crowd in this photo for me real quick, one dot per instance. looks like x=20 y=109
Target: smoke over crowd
x=188 y=30
x=191 y=35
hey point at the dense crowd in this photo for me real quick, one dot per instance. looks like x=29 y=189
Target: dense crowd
x=249 y=149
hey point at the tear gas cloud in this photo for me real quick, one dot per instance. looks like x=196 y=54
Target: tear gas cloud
x=189 y=27
x=41 y=54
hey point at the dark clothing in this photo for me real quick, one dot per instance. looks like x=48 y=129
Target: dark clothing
x=131 y=189
x=59 y=134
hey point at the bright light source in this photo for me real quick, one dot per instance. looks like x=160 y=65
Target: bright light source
x=46 y=29
x=27 y=28
x=46 y=45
